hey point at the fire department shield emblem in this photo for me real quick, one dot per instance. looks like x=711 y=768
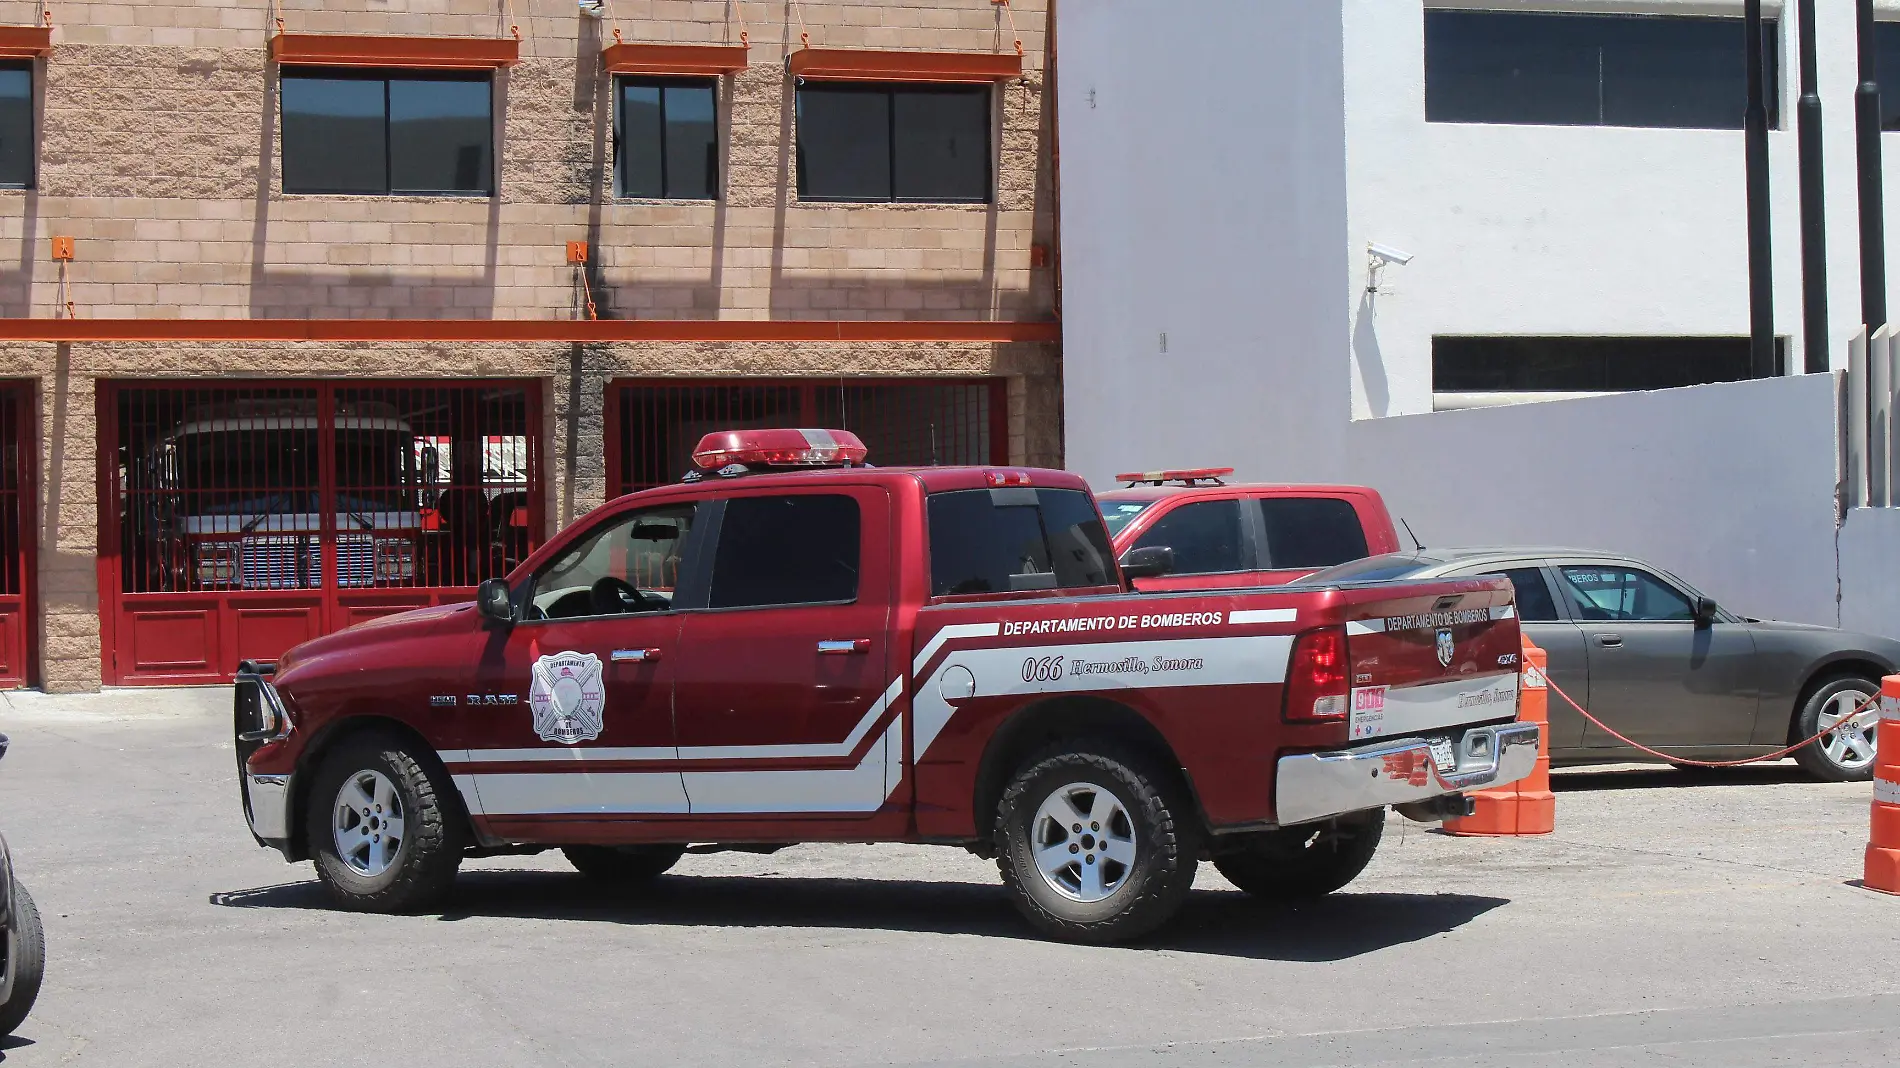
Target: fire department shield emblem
x=1445 y=649
x=567 y=698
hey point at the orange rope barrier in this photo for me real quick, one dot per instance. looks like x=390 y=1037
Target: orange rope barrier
x=804 y=34
x=1844 y=721
x=587 y=291
x=1013 y=31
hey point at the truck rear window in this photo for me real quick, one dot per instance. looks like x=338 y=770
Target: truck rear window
x=1007 y=540
x=1305 y=532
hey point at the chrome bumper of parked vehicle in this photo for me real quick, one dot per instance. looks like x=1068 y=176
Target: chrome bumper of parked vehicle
x=1395 y=771
x=267 y=800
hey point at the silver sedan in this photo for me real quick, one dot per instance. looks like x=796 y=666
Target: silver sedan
x=1667 y=667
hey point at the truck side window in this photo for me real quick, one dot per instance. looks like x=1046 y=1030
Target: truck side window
x=629 y=563
x=1205 y=537
x=1311 y=532
x=789 y=550
x=999 y=541
x=1534 y=604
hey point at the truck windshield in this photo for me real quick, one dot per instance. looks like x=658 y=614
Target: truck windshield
x=1118 y=514
x=275 y=471
x=1006 y=540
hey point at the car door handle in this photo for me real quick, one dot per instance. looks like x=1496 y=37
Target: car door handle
x=844 y=646
x=635 y=656
x=1610 y=641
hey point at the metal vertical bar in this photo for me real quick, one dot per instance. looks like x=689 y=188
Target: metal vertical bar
x=1873 y=237
x=1814 y=347
x=1761 y=282
x=1856 y=472
x=326 y=508
x=1879 y=419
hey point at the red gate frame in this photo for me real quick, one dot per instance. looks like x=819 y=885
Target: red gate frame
x=334 y=608
x=20 y=613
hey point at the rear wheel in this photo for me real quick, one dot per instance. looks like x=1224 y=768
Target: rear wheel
x=1096 y=842
x=27 y=960
x=623 y=864
x=1298 y=863
x=1847 y=755
x=384 y=827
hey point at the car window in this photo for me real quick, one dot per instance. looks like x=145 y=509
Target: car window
x=1019 y=538
x=1621 y=593
x=1118 y=514
x=1311 y=532
x=629 y=563
x=1205 y=537
x=796 y=549
x=1534 y=603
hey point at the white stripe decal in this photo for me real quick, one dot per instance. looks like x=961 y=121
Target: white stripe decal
x=471 y=797
x=615 y=793
x=1887 y=793
x=1890 y=708
x=954 y=630
x=1449 y=703
x=1365 y=626
x=859 y=789
x=1505 y=612
x=1264 y=615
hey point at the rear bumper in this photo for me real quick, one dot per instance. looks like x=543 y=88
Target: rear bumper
x=1397 y=771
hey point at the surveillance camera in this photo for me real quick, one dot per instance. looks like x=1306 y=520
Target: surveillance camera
x=1388 y=254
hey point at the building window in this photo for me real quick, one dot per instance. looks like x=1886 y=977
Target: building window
x=16 y=126
x=1887 y=70
x=1478 y=365
x=1592 y=70
x=410 y=133
x=667 y=141
x=908 y=143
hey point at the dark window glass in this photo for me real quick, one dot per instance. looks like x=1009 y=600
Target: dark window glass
x=1592 y=70
x=786 y=550
x=1621 y=593
x=669 y=139
x=890 y=143
x=998 y=541
x=1586 y=364
x=1314 y=532
x=1205 y=537
x=350 y=132
x=1533 y=595
x=1887 y=70
x=16 y=126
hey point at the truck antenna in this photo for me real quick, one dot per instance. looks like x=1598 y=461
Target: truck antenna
x=1408 y=533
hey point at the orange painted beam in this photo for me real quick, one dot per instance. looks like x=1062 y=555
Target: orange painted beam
x=25 y=42
x=568 y=331
x=867 y=65
x=626 y=58
x=363 y=50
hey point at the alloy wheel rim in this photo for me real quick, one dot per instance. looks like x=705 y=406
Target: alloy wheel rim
x=368 y=823
x=1083 y=842
x=1851 y=747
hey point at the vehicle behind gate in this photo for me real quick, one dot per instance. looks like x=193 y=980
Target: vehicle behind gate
x=790 y=646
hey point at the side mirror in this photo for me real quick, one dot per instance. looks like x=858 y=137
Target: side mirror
x=1150 y=561
x=1705 y=609
x=494 y=601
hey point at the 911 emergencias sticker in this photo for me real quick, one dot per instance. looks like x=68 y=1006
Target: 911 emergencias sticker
x=1367 y=718
x=568 y=698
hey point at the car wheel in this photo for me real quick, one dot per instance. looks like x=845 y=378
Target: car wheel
x=1847 y=755
x=1096 y=843
x=27 y=960
x=1298 y=863
x=628 y=864
x=384 y=827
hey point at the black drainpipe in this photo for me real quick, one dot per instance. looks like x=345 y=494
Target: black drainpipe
x=1873 y=230
x=1814 y=344
x=1761 y=279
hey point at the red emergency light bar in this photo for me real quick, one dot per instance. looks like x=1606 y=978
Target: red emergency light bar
x=779 y=448
x=1190 y=477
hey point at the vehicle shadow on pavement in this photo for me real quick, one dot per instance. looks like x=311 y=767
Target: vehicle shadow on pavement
x=1654 y=777
x=1224 y=923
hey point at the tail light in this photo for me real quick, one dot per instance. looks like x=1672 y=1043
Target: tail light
x=1317 y=683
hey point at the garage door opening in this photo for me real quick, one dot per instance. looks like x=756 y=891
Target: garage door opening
x=652 y=425
x=16 y=533
x=241 y=521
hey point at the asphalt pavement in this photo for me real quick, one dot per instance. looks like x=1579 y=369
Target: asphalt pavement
x=1673 y=918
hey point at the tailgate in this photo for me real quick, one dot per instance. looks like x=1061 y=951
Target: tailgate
x=1429 y=655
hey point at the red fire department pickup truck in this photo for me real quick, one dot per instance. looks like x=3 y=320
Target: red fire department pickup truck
x=791 y=646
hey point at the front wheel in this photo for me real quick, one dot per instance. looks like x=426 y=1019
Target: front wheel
x=1309 y=861
x=1096 y=843
x=1847 y=755
x=384 y=827
x=624 y=865
x=26 y=958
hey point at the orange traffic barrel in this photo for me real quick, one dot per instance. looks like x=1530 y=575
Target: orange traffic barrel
x=1883 y=839
x=1526 y=806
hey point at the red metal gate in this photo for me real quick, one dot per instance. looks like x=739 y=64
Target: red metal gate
x=238 y=521
x=653 y=424
x=17 y=467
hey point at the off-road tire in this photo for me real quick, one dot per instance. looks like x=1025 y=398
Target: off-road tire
x=1305 y=862
x=1807 y=722
x=628 y=865
x=1167 y=842
x=420 y=876
x=29 y=967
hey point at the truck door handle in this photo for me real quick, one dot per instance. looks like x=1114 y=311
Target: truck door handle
x=1610 y=641
x=844 y=646
x=635 y=656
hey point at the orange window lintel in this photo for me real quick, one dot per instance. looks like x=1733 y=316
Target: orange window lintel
x=629 y=58
x=362 y=50
x=25 y=42
x=867 y=65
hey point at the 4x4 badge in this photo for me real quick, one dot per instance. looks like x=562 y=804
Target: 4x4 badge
x=568 y=698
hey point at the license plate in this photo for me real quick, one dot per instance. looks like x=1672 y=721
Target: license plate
x=1442 y=754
